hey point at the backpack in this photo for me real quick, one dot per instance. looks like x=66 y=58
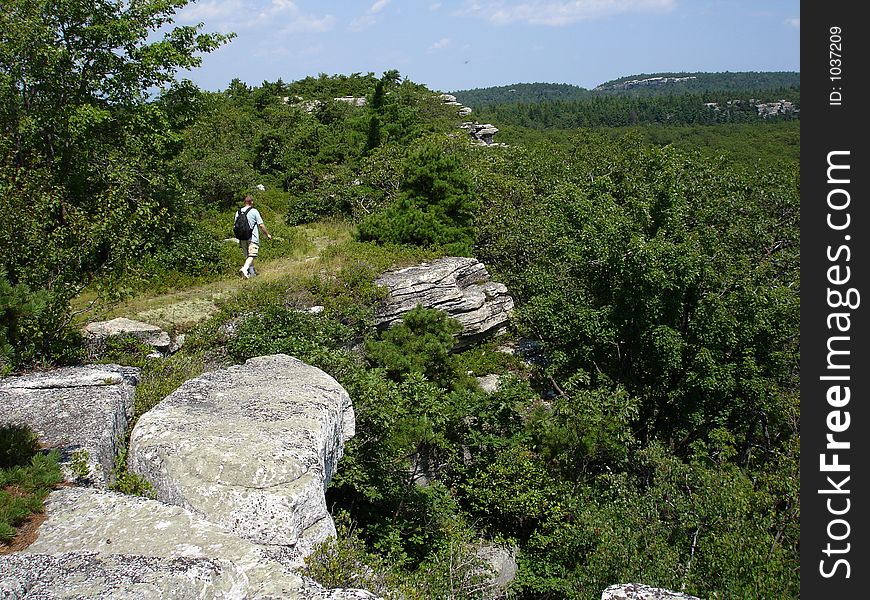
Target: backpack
x=241 y=228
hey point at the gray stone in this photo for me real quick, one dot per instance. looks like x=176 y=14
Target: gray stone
x=502 y=563
x=177 y=343
x=456 y=285
x=481 y=134
x=81 y=410
x=251 y=448
x=489 y=383
x=639 y=591
x=84 y=520
x=99 y=577
x=97 y=334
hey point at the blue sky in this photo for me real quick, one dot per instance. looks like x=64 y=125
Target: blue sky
x=462 y=44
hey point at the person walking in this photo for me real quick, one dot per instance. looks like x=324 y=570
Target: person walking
x=251 y=247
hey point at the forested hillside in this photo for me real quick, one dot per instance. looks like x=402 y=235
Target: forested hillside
x=655 y=270
x=653 y=84
x=521 y=93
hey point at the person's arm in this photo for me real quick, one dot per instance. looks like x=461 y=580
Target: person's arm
x=266 y=231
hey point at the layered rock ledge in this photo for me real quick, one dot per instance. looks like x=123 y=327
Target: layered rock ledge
x=459 y=286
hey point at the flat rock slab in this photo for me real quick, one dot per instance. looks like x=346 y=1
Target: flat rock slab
x=91 y=575
x=251 y=448
x=639 y=591
x=74 y=409
x=96 y=334
x=456 y=285
x=87 y=520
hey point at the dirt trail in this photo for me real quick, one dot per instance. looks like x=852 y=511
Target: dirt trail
x=180 y=309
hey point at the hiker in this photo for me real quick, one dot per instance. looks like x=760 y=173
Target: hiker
x=250 y=246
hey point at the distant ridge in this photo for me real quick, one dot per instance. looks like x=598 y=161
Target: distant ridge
x=644 y=84
x=702 y=82
x=521 y=93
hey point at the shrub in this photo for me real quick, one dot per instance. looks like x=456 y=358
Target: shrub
x=26 y=477
x=421 y=343
x=435 y=208
x=18 y=443
x=34 y=325
x=278 y=329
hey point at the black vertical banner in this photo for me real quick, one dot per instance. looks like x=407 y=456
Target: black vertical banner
x=835 y=300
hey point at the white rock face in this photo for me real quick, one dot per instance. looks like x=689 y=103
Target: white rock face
x=74 y=409
x=639 y=591
x=84 y=520
x=459 y=286
x=101 y=577
x=251 y=448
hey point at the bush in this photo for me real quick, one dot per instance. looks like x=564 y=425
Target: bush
x=26 y=477
x=278 y=329
x=18 y=443
x=34 y=325
x=435 y=208
x=421 y=343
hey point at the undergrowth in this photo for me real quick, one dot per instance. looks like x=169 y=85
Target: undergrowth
x=26 y=477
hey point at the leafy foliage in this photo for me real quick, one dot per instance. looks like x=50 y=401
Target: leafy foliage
x=421 y=343
x=435 y=205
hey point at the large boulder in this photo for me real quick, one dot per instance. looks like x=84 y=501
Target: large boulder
x=639 y=591
x=251 y=448
x=458 y=286
x=82 y=411
x=502 y=565
x=80 y=520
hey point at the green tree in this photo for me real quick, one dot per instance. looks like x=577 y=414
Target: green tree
x=435 y=207
x=421 y=343
x=81 y=146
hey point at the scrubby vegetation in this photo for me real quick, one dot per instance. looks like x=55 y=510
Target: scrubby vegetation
x=26 y=477
x=655 y=267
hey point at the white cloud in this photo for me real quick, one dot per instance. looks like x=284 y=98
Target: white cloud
x=378 y=6
x=441 y=44
x=363 y=22
x=556 y=13
x=794 y=22
x=309 y=24
x=239 y=15
x=435 y=6
x=370 y=18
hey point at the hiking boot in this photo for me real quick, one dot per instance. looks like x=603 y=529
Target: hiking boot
x=244 y=273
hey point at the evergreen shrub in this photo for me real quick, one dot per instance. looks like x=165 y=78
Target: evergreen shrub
x=420 y=343
x=435 y=206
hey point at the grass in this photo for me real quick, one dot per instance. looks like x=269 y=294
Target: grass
x=292 y=256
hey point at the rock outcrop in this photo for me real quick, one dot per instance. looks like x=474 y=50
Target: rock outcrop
x=250 y=448
x=481 y=134
x=456 y=285
x=104 y=523
x=99 y=577
x=97 y=334
x=502 y=564
x=79 y=410
x=638 y=591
